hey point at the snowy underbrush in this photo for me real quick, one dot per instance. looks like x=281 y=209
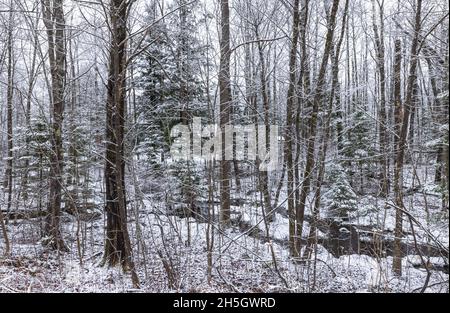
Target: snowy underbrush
x=241 y=263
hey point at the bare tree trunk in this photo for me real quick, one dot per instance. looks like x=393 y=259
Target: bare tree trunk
x=117 y=243
x=225 y=105
x=266 y=108
x=311 y=141
x=304 y=104
x=280 y=185
x=404 y=115
x=9 y=111
x=438 y=111
x=412 y=115
x=288 y=142
x=445 y=153
x=380 y=51
x=182 y=58
x=5 y=234
x=54 y=21
x=31 y=82
x=398 y=120
x=209 y=227
x=72 y=179
x=334 y=97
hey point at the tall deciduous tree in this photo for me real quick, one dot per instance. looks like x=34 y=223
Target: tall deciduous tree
x=311 y=140
x=378 y=31
x=288 y=136
x=225 y=107
x=53 y=15
x=403 y=132
x=117 y=245
x=8 y=184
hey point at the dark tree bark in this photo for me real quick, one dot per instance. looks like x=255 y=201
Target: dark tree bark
x=380 y=52
x=304 y=102
x=264 y=178
x=404 y=114
x=9 y=163
x=117 y=243
x=288 y=137
x=439 y=112
x=9 y=111
x=311 y=141
x=334 y=97
x=55 y=25
x=397 y=123
x=182 y=58
x=225 y=105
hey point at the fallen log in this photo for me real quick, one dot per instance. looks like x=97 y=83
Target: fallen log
x=84 y=214
x=23 y=214
x=432 y=266
x=341 y=238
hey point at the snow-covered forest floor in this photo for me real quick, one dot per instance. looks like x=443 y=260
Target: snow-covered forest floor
x=167 y=260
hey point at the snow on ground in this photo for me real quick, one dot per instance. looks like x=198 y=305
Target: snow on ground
x=241 y=263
